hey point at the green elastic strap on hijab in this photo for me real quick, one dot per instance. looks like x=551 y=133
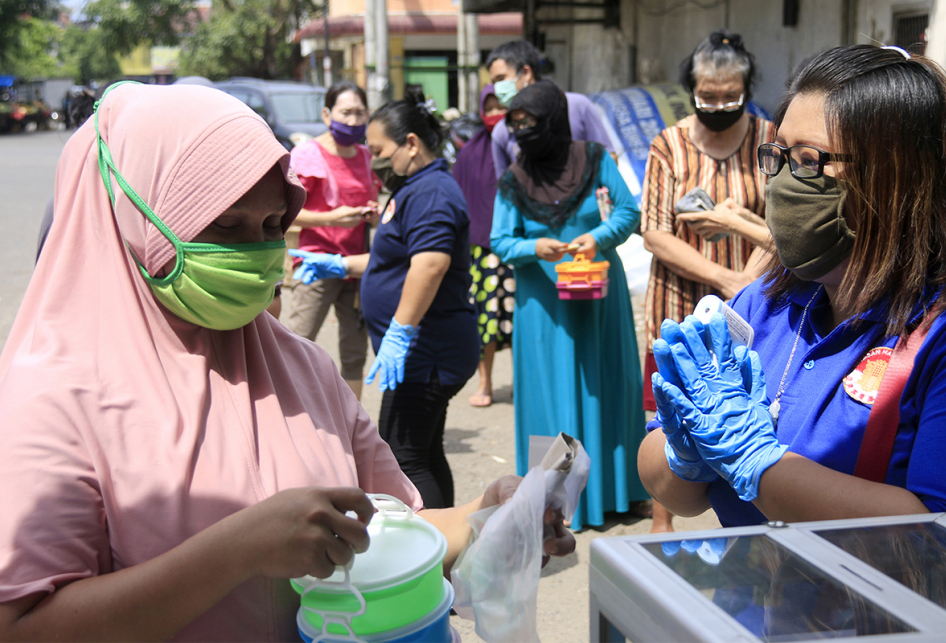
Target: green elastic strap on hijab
x=106 y=169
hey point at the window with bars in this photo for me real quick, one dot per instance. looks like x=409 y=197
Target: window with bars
x=909 y=31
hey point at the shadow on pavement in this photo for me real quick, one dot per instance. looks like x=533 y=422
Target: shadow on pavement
x=503 y=394
x=558 y=565
x=454 y=440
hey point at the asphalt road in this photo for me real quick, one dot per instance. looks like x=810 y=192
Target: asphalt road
x=27 y=176
x=479 y=442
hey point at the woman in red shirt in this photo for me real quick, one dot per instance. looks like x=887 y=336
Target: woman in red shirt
x=341 y=201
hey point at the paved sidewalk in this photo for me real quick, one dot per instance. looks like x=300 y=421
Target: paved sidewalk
x=480 y=447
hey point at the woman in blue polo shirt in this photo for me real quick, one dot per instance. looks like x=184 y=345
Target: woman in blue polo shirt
x=856 y=202
x=414 y=292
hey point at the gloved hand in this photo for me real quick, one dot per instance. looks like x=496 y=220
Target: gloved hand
x=710 y=550
x=319 y=265
x=389 y=362
x=682 y=456
x=735 y=364
x=753 y=379
x=732 y=432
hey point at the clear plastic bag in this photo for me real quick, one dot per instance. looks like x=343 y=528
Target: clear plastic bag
x=496 y=578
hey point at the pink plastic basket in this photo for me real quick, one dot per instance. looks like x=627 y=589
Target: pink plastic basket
x=593 y=290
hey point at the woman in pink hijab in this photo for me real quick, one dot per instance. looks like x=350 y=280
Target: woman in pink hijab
x=171 y=453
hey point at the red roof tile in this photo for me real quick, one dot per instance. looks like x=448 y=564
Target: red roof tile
x=502 y=24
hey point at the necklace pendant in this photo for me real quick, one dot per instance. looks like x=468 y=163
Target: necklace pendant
x=773 y=411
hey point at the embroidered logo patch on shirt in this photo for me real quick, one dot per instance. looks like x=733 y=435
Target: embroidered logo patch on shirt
x=864 y=381
x=388 y=211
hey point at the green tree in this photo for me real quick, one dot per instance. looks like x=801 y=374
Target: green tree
x=34 y=54
x=15 y=18
x=246 y=38
x=126 y=24
x=82 y=51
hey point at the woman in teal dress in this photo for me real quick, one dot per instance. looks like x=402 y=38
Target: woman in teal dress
x=575 y=362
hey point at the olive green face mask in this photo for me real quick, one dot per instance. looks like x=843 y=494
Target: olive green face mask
x=806 y=218
x=221 y=287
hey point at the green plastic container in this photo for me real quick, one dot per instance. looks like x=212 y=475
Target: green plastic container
x=398 y=581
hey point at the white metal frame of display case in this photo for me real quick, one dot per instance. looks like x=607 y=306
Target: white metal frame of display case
x=634 y=596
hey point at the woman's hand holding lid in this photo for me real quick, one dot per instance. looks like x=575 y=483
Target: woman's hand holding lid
x=548 y=249
x=301 y=532
x=586 y=245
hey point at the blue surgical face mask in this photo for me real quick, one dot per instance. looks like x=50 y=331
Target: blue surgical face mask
x=506 y=90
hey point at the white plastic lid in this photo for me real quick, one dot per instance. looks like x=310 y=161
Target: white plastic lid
x=403 y=546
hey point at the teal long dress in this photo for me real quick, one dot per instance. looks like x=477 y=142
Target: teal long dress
x=575 y=362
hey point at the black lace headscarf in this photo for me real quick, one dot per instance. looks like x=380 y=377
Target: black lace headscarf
x=553 y=175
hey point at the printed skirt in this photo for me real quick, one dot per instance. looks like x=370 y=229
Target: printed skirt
x=493 y=295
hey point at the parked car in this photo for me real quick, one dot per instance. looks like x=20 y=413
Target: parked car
x=293 y=110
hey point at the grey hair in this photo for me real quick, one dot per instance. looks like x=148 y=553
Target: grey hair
x=719 y=65
x=720 y=55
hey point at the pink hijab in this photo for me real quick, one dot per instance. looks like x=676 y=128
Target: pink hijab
x=125 y=429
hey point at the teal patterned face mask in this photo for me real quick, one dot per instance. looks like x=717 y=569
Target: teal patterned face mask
x=221 y=287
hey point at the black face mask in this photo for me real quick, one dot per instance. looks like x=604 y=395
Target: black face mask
x=720 y=121
x=534 y=141
x=389 y=178
x=538 y=143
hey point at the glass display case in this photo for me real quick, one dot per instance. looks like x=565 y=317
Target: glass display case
x=883 y=578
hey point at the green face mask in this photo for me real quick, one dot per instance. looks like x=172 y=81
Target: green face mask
x=223 y=287
x=214 y=286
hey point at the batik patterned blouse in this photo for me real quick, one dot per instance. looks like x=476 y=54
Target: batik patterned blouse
x=674 y=167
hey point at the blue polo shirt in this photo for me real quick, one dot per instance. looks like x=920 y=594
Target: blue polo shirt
x=426 y=214
x=829 y=389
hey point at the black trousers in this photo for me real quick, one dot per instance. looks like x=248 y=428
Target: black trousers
x=412 y=421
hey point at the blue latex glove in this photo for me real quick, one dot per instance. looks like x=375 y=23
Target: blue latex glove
x=710 y=550
x=682 y=455
x=683 y=458
x=389 y=362
x=732 y=432
x=753 y=378
x=735 y=364
x=318 y=265
x=670 y=547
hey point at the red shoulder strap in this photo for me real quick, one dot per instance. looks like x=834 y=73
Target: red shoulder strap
x=873 y=460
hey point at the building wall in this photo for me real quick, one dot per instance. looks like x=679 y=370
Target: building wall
x=875 y=23
x=648 y=48
x=654 y=37
x=778 y=49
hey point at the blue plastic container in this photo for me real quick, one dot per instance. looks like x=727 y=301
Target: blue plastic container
x=433 y=628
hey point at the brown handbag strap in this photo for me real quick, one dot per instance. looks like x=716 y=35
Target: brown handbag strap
x=873 y=460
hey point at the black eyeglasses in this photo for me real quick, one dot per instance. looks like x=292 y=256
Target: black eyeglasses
x=804 y=161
